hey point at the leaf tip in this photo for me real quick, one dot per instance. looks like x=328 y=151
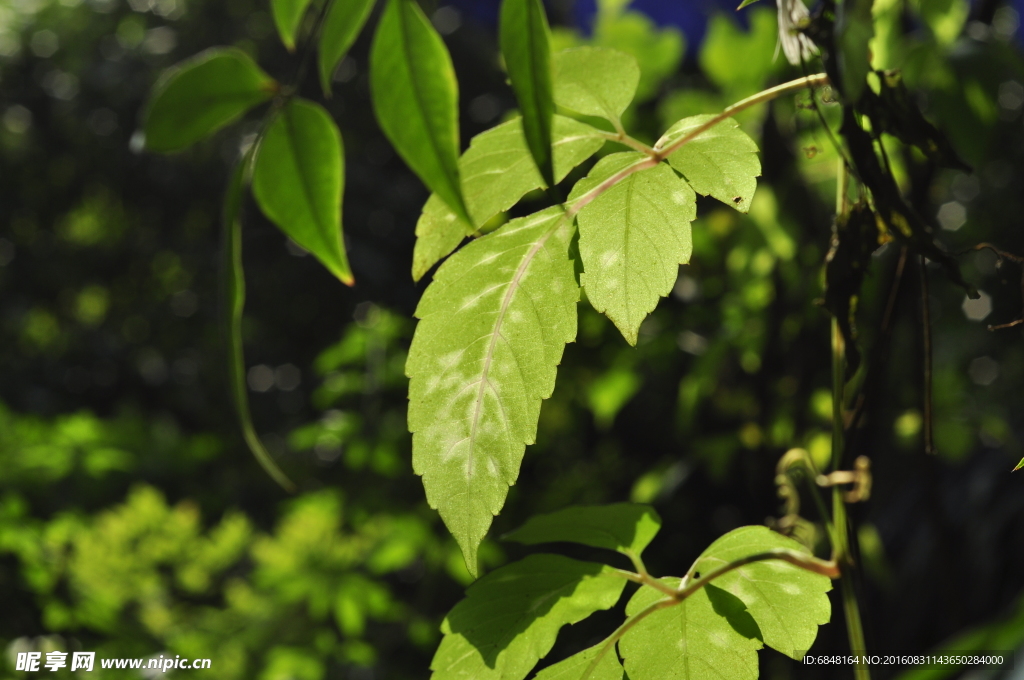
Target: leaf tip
x=1019 y=465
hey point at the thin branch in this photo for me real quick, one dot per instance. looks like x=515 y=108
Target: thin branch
x=626 y=140
x=926 y=323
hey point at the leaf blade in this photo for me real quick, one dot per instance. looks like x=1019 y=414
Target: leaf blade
x=526 y=46
x=572 y=668
x=494 y=323
x=287 y=18
x=201 y=95
x=624 y=527
x=595 y=81
x=415 y=96
x=297 y=182
x=344 y=20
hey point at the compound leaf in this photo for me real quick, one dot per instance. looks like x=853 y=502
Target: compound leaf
x=788 y=603
x=511 y=617
x=298 y=180
x=415 y=96
x=708 y=635
x=526 y=46
x=494 y=323
x=625 y=527
x=344 y=20
x=201 y=95
x=287 y=17
x=608 y=668
x=595 y=81
x=497 y=170
x=633 y=237
x=720 y=161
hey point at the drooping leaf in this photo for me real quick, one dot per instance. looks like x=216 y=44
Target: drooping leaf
x=708 y=635
x=201 y=95
x=415 y=96
x=721 y=161
x=525 y=44
x=787 y=602
x=234 y=293
x=495 y=321
x=633 y=237
x=595 y=81
x=287 y=17
x=298 y=180
x=511 y=617
x=624 y=527
x=573 y=668
x=344 y=20
x=854 y=30
x=497 y=171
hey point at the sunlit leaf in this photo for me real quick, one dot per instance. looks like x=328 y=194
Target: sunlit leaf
x=438 y=232
x=287 y=17
x=297 y=182
x=525 y=44
x=511 y=617
x=415 y=96
x=495 y=321
x=624 y=527
x=633 y=237
x=595 y=81
x=201 y=95
x=573 y=668
x=721 y=161
x=344 y=20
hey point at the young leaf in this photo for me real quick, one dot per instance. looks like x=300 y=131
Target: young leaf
x=344 y=20
x=573 y=668
x=298 y=179
x=497 y=171
x=201 y=95
x=721 y=161
x=624 y=527
x=525 y=44
x=788 y=603
x=633 y=237
x=745 y=3
x=708 y=635
x=511 y=617
x=495 y=321
x=415 y=96
x=595 y=81
x=287 y=17
x=234 y=291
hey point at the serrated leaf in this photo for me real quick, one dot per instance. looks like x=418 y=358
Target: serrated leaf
x=497 y=171
x=344 y=20
x=298 y=180
x=573 y=668
x=495 y=321
x=721 y=162
x=511 y=617
x=595 y=81
x=416 y=98
x=708 y=635
x=199 y=96
x=854 y=30
x=526 y=46
x=624 y=527
x=788 y=603
x=633 y=237
x=287 y=18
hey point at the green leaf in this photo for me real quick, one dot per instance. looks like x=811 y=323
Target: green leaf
x=708 y=635
x=199 y=96
x=624 y=527
x=344 y=20
x=287 y=17
x=608 y=668
x=234 y=289
x=497 y=170
x=854 y=30
x=721 y=161
x=788 y=603
x=633 y=237
x=595 y=81
x=298 y=180
x=745 y=3
x=526 y=46
x=511 y=617
x=495 y=321
x=416 y=98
